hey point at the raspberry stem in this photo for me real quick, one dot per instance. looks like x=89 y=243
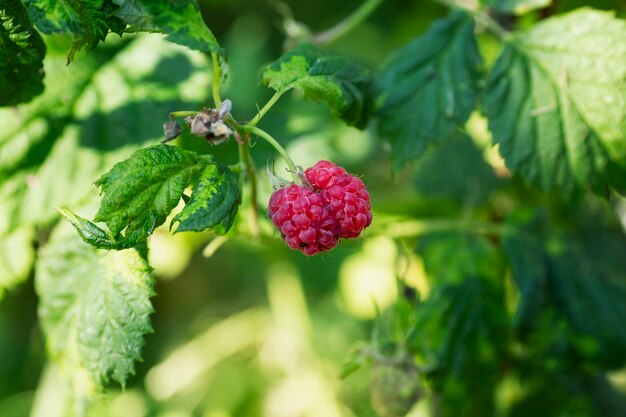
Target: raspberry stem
x=263 y=134
x=257 y=118
x=217 y=76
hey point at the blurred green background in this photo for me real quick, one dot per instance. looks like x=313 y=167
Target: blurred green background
x=241 y=328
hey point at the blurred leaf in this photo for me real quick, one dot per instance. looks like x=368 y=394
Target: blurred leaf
x=556 y=103
x=181 y=21
x=456 y=170
x=88 y=21
x=563 y=394
x=429 y=88
x=23 y=50
x=463 y=325
x=94 y=310
x=140 y=192
x=17 y=255
x=517 y=7
x=335 y=80
x=214 y=201
x=577 y=278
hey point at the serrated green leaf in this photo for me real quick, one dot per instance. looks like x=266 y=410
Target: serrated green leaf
x=140 y=192
x=94 y=309
x=214 y=201
x=462 y=326
x=516 y=7
x=181 y=21
x=338 y=82
x=88 y=21
x=576 y=281
x=556 y=103
x=429 y=88
x=17 y=255
x=23 y=50
x=89 y=231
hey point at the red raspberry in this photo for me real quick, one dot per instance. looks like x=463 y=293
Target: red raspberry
x=304 y=220
x=345 y=195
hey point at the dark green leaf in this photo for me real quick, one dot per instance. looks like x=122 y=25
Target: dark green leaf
x=181 y=21
x=214 y=202
x=140 y=192
x=577 y=281
x=341 y=84
x=88 y=21
x=456 y=170
x=94 y=309
x=556 y=103
x=462 y=327
x=22 y=51
x=429 y=88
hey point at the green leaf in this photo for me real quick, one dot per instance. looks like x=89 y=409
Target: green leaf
x=455 y=170
x=22 y=51
x=17 y=255
x=574 y=280
x=88 y=21
x=214 y=201
x=516 y=7
x=339 y=83
x=94 y=309
x=556 y=103
x=462 y=327
x=181 y=21
x=88 y=231
x=140 y=192
x=429 y=88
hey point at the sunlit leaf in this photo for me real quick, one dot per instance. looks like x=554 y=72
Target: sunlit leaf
x=335 y=80
x=140 y=192
x=17 y=255
x=181 y=21
x=554 y=107
x=94 y=309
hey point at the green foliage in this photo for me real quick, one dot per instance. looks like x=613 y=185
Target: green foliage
x=22 y=49
x=462 y=327
x=213 y=203
x=88 y=21
x=140 y=192
x=94 y=310
x=510 y=304
x=181 y=21
x=553 y=107
x=335 y=80
x=577 y=282
x=429 y=88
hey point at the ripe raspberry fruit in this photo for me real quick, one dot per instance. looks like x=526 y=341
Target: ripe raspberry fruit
x=303 y=218
x=345 y=194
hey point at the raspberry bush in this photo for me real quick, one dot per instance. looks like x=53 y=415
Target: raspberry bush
x=430 y=193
